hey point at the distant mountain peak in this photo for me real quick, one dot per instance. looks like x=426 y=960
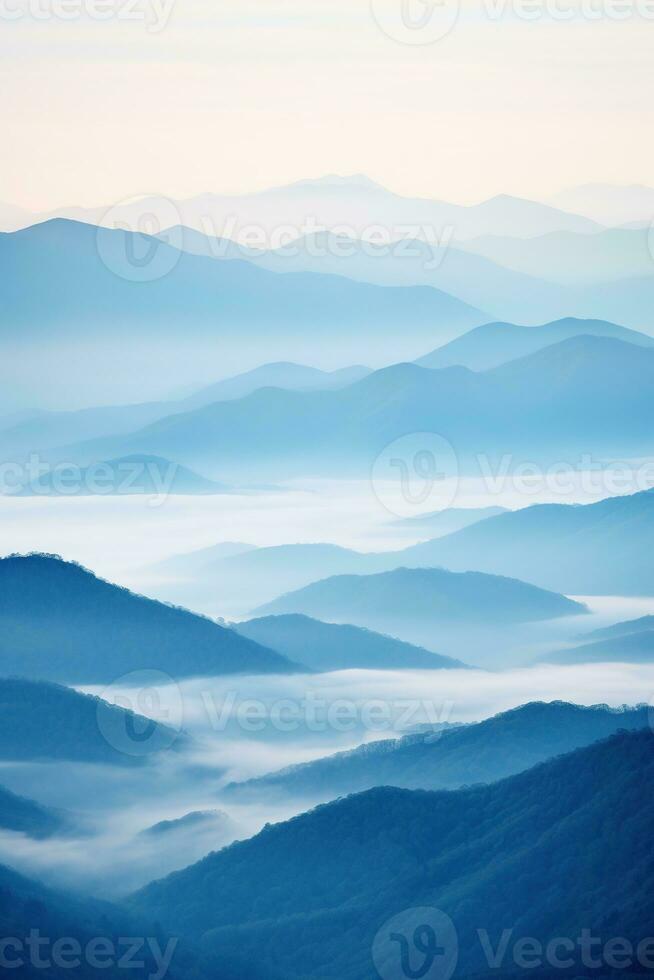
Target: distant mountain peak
x=340 y=180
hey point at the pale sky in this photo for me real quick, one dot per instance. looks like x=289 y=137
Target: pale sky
x=240 y=95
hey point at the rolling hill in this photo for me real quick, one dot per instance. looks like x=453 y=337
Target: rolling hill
x=40 y=722
x=483 y=752
x=329 y=646
x=642 y=625
x=541 y=854
x=634 y=648
x=213 y=821
x=46 y=431
x=23 y=816
x=59 y=622
x=425 y=604
x=244 y=577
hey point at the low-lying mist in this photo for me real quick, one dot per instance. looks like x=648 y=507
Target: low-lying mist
x=246 y=726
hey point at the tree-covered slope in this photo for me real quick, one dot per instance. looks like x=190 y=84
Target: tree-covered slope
x=565 y=846
x=40 y=721
x=484 y=752
x=59 y=622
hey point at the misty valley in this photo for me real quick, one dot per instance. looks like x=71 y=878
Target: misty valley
x=327 y=567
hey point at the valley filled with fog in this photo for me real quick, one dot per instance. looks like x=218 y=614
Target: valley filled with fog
x=246 y=726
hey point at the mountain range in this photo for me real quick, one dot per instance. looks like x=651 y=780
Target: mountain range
x=603 y=548
x=560 y=547
x=353 y=201
x=483 y=752
x=549 y=406
x=557 y=274
x=446 y=268
x=493 y=344
x=562 y=847
x=632 y=648
x=59 y=622
x=198 y=312
x=43 y=431
x=247 y=576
